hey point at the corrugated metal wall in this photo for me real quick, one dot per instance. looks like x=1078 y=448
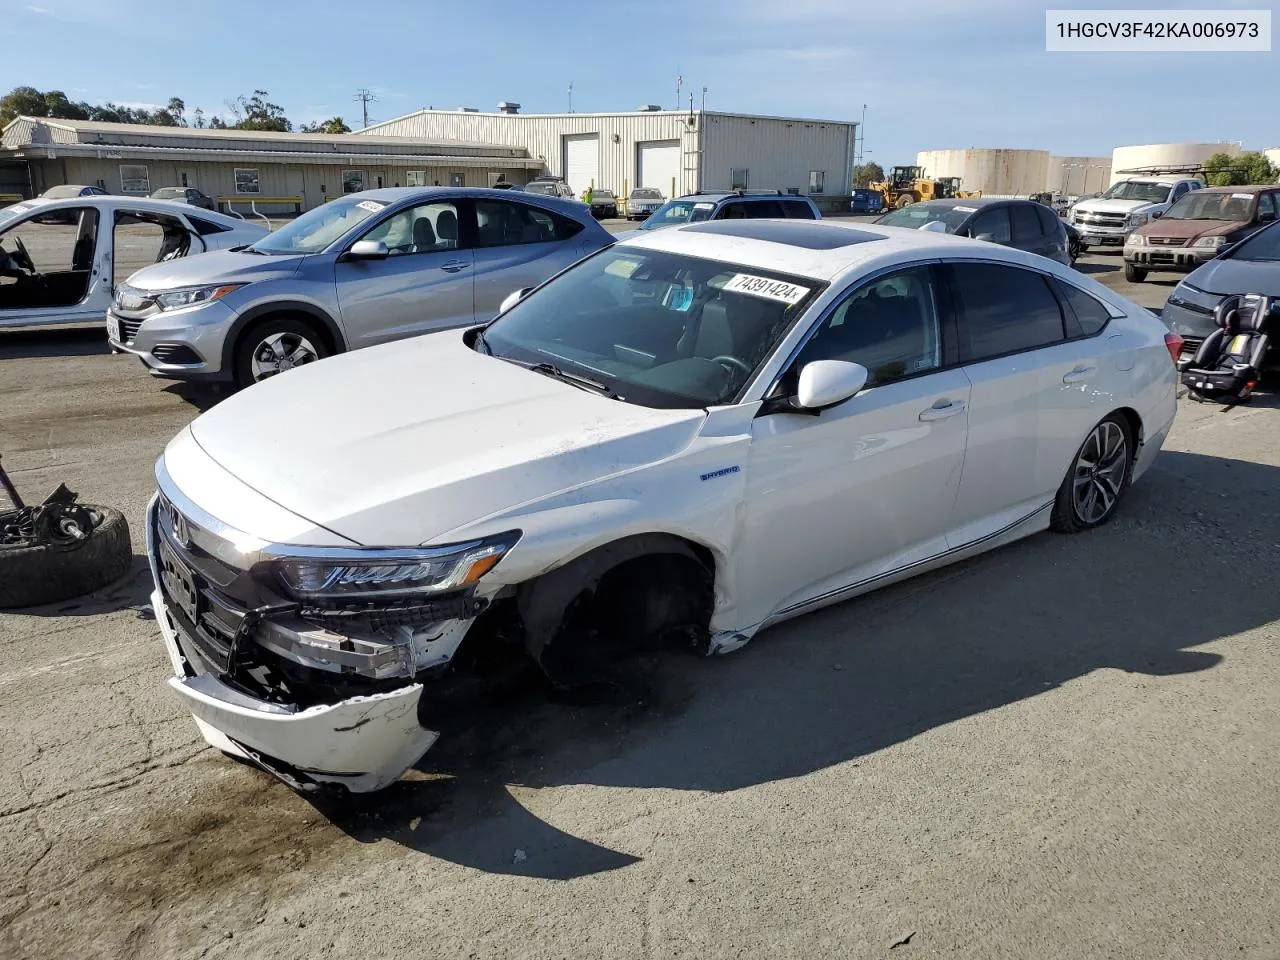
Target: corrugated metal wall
x=778 y=154
x=543 y=137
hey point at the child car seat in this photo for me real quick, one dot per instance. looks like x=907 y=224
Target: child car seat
x=1229 y=362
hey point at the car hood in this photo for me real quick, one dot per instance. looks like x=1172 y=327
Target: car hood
x=1237 y=276
x=218 y=266
x=401 y=444
x=1189 y=229
x=1113 y=206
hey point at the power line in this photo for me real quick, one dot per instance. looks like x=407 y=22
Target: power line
x=364 y=97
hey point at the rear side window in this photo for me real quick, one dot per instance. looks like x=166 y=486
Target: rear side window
x=994 y=222
x=1048 y=220
x=1089 y=314
x=732 y=211
x=1026 y=225
x=1003 y=310
x=761 y=209
x=797 y=210
x=206 y=227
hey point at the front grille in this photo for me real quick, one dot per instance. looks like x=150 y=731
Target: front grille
x=1102 y=219
x=1167 y=241
x=172 y=352
x=128 y=328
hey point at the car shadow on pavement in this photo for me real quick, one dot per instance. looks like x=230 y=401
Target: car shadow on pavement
x=26 y=343
x=1138 y=596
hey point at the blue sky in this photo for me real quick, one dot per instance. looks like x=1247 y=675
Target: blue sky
x=978 y=77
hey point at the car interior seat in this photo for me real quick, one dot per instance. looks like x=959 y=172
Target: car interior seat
x=424 y=235
x=447 y=229
x=82 y=254
x=1229 y=361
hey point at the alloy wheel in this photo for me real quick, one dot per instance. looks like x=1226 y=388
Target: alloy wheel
x=1099 y=473
x=280 y=352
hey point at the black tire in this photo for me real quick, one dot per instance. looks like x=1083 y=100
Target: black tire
x=30 y=576
x=1068 y=514
x=1134 y=274
x=1074 y=251
x=284 y=324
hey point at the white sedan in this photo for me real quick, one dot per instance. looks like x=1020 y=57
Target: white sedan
x=689 y=436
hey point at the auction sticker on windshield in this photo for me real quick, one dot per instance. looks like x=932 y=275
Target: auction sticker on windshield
x=370 y=205
x=787 y=293
x=965 y=209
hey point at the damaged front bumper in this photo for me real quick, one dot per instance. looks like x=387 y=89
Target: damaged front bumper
x=312 y=704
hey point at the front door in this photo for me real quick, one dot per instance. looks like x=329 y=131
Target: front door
x=52 y=268
x=425 y=284
x=866 y=487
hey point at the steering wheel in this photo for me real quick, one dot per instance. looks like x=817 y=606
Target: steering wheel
x=21 y=257
x=727 y=361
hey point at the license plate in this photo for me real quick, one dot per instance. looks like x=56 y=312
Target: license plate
x=179 y=585
x=113 y=328
x=1092 y=238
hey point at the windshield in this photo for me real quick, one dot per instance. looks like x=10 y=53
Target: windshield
x=167 y=193
x=679 y=211
x=657 y=329
x=916 y=215
x=546 y=189
x=646 y=193
x=1262 y=246
x=316 y=229
x=1203 y=205
x=1137 y=190
x=12 y=213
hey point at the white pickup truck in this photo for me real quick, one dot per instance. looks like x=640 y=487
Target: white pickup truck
x=1127 y=205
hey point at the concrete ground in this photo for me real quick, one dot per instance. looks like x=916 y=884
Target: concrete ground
x=1066 y=748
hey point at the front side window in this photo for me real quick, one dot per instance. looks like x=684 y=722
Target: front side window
x=992 y=225
x=247 y=180
x=134 y=178
x=1003 y=310
x=732 y=211
x=890 y=326
x=426 y=228
x=500 y=224
x=318 y=228
x=415 y=178
x=817 y=181
x=1267 y=205
x=659 y=329
x=738 y=178
x=352 y=181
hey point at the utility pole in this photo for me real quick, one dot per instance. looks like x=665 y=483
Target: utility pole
x=704 y=99
x=679 y=84
x=571 y=96
x=862 y=134
x=364 y=97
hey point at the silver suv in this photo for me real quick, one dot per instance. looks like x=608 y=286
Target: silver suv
x=364 y=269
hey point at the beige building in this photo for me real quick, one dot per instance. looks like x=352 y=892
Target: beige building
x=676 y=151
x=271 y=170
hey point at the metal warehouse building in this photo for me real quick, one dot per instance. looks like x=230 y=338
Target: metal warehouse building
x=273 y=170
x=675 y=151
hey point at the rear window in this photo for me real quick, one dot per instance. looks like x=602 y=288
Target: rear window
x=798 y=210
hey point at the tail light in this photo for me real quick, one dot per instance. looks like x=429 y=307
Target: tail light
x=1174 y=344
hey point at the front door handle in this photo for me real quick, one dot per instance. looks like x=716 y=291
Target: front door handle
x=942 y=410
x=1080 y=373
x=453 y=266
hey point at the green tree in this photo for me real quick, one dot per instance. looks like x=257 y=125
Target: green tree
x=258 y=113
x=22 y=101
x=1224 y=170
x=332 y=125
x=57 y=105
x=865 y=173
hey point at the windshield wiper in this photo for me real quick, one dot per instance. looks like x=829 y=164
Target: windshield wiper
x=574 y=379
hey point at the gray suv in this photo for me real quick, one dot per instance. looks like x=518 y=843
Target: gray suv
x=364 y=269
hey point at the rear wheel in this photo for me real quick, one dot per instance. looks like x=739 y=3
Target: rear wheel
x=1098 y=478
x=277 y=345
x=1134 y=274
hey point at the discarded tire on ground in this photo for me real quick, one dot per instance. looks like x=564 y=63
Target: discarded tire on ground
x=47 y=572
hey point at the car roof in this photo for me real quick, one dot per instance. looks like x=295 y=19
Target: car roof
x=714 y=196
x=113 y=200
x=976 y=203
x=819 y=249
x=1247 y=188
x=408 y=195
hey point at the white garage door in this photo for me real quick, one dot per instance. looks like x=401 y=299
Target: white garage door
x=582 y=162
x=659 y=165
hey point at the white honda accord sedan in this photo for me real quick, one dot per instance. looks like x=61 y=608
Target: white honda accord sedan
x=685 y=437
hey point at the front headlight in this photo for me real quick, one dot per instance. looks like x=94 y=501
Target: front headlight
x=173 y=299
x=355 y=574
x=1135 y=240
x=1213 y=242
x=1138 y=219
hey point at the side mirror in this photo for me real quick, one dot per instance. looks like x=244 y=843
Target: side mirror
x=1156 y=214
x=1267 y=216
x=514 y=298
x=368 y=250
x=824 y=383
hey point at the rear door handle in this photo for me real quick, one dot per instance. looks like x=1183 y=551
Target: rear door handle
x=942 y=410
x=453 y=266
x=1080 y=373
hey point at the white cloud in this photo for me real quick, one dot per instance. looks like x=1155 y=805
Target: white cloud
x=136 y=104
x=31 y=8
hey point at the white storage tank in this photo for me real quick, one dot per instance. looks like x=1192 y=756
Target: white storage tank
x=1078 y=176
x=995 y=171
x=1272 y=154
x=1165 y=155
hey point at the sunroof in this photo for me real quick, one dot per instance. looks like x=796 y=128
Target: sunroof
x=811 y=234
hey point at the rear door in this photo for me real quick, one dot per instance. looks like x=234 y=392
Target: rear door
x=516 y=245
x=1031 y=391
x=425 y=284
